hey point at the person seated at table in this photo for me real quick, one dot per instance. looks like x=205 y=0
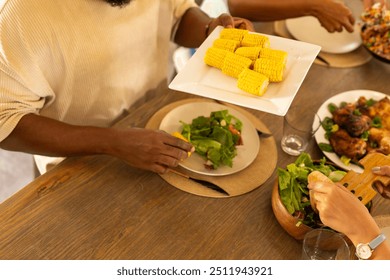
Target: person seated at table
x=332 y=14
x=340 y=210
x=70 y=69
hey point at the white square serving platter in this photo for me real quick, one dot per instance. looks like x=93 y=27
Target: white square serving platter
x=200 y=79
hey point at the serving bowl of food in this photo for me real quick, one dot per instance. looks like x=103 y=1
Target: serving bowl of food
x=291 y=198
x=375 y=31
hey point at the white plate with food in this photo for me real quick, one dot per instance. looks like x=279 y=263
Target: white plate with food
x=200 y=79
x=323 y=112
x=308 y=29
x=246 y=153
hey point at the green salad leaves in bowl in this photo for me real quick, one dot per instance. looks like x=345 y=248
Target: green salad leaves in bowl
x=290 y=196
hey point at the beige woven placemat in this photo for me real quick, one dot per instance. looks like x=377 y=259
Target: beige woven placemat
x=383 y=221
x=355 y=58
x=235 y=184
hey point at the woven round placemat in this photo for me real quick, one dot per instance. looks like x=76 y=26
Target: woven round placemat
x=355 y=58
x=383 y=221
x=235 y=184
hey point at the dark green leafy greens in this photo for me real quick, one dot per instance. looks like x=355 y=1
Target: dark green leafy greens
x=215 y=137
x=293 y=187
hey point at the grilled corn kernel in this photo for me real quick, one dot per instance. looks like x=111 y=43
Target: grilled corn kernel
x=180 y=136
x=273 y=54
x=233 y=34
x=273 y=69
x=252 y=82
x=226 y=44
x=214 y=57
x=255 y=40
x=249 y=52
x=234 y=64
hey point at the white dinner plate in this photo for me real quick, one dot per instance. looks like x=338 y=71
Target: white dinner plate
x=200 y=79
x=308 y=29
x=246 y=153
x=350 y=97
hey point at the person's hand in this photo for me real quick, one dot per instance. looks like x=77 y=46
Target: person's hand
x=334 y=16
x=382 y=170
x=153 y=150
x=380 y=188
x=228 y=21
x=340 y=209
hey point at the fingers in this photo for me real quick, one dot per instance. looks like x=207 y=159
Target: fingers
x=381 y=170
x=226 y=20
x=241 y=23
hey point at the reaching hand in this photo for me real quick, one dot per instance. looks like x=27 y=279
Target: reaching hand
x=228 y=21
x=382 y=170
x=382 y=189
x=334 y=16
x=339 y=208
x=153 y=150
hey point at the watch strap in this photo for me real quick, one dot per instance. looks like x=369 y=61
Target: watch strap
x=377 y=241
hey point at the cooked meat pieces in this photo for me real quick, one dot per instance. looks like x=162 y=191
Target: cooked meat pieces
x=381 y=109
x=354 y=123
x=381 y=137
x=344 y=144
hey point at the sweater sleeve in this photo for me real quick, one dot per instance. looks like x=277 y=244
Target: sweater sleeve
x=23 y=87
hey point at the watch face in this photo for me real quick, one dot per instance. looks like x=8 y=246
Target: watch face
x=363 y=251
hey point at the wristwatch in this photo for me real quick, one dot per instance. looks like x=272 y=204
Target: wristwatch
x=364 y=250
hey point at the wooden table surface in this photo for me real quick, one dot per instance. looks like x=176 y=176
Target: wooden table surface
x=97 y=207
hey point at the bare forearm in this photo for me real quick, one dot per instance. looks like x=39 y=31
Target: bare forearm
x=192 y=29
x=262 y=10
x=39 y=135
x=148 y=149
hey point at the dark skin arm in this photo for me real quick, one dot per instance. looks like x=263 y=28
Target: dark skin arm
x=333 y=15
x=142 y=148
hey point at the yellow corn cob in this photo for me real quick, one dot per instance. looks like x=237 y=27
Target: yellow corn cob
x=214 y=57
x=234 y=64
x=273 y=69
x=249 y=52
x=233 y=33
x=180 y=136
x=273 y=54
x=226 y=44
x=255 y=40
x=252 y=82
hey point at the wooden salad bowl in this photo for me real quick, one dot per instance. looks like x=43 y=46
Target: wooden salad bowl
x=289 y=223
x=359 y=183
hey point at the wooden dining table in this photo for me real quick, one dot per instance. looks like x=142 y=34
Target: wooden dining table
x=99 y=208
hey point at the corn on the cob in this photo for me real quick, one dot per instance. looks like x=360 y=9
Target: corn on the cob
x=233 y=33
x=214 y=57
x=255 y=40
x=180 y=136
x=252 y=82
x=249 y=52
x=226 y=44
x=273 y=54
x=273 y=69
x=234 y=64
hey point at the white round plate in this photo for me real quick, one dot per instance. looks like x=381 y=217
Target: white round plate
x=348 y=96
x=308 y=29
x=246 y=153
